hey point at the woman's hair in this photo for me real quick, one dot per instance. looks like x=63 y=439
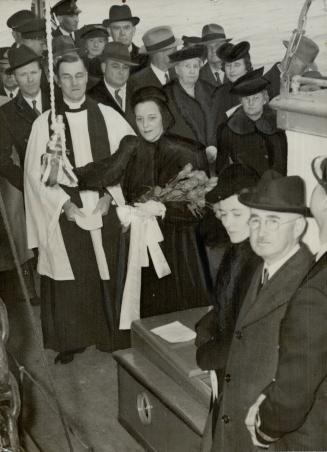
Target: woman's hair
x=159 y=97
x=247 y=62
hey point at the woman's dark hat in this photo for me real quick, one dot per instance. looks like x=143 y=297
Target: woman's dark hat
x=213 y=33
x=187 y=53
x=118 y=13
x=250 y=83
x=149 y=93
x=118 y=52
x=229 y=52
x=319 y=169
x=278 y=193
x=231 y=181
x=20 y=56
x=190 y=41
x=19 y=18
x=93 y=31
x=66 y=8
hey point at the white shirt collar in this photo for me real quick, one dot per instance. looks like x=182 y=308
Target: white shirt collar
x=221 y=73
x=273 y=268
x=38 y=99
x=160 y=74
x=322 y=251
x=66 y=33
x=74 y=105
x=14 y=92
x=122 y=92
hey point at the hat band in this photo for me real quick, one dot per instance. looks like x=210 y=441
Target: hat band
x=210 y=36
x=161 y=44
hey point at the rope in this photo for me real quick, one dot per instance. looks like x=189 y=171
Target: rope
x=50 y=60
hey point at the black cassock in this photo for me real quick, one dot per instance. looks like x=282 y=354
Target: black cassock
x=139 y=165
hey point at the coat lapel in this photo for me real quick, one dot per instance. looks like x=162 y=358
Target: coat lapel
x=23 y=109
x=278 y=290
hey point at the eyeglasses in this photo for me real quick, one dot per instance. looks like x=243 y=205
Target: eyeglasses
x=271 y=224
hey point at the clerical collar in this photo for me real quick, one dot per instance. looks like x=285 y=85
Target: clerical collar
x=11 y=94
x=75 y=105
x=274 y=267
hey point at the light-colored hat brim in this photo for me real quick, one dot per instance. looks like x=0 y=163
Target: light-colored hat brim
x=144 y=51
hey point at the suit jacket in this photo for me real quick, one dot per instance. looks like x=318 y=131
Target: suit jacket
x=207 y=76
x=146 y=77
x=16 y=120
x=101 y=95
x=295 y=407
x=140 y=59
x=253 y=354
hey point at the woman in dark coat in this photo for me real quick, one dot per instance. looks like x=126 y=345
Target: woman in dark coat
x=215 y=330
x=94 y=39
x=236 y=62
x=149 y=160
x=250 y=136
x=190 y=98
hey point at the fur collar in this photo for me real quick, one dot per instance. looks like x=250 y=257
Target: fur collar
x=241 y=124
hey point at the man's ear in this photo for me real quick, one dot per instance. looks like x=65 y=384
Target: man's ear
x=300 y=227
x=56 y=79
x=103 y=67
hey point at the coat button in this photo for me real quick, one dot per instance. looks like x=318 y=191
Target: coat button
x=228 y=378
x=225 y=419
x=238 y=334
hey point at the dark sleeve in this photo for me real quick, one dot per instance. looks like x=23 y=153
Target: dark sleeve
x=108 y=171
x=13 y=173
x=222 y=148
x=280 y=153
x=302 y=364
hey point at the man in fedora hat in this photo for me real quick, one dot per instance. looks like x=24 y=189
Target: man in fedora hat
x=67 y=14
x=302 y=62
x=250 y=135
x=8 y=84
x=290 y=413
x=213 y=36
x=114 y=90
x=159 y=43
x=18 y=115
x=122 y=27
x=277 y=222
x=17 y=19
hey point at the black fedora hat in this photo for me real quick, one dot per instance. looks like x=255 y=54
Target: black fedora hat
x=229 y=52
x=187 y=53
x=20 y=56
x=19 y=18
x=250 y=83
x=319 y=169
x=213 y=33
x=118 y=52
x=118 y=13
x=4 y=55
x=277 y=193
x=231 y=181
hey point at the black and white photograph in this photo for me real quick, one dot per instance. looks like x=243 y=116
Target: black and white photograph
x=163 y=225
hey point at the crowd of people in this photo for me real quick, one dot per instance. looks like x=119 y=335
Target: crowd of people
x=134 y=118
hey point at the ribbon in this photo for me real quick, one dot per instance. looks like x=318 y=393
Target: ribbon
x=145 y=236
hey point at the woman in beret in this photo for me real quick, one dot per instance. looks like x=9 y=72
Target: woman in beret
x=236 y=62
x=215 y=330
x=148 y=160
x=190 y=98
x=94 y=38
x=250 y=136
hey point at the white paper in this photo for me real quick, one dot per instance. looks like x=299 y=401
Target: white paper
x=174 y=332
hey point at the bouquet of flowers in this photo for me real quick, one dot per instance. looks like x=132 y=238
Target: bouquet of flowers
x=188 y=186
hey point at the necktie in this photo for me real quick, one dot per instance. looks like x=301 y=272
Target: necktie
x=167 y=77
x=71 y=37
x=119 y=98
x=11 y=95
x=217 y=76
x=264 y=279
x=35 y=109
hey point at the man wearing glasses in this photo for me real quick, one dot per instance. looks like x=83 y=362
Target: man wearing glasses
x=277 y=223
x=290 y=413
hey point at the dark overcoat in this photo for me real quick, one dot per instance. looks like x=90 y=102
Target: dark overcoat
x=295 y=408
x=259 y=144
x=223 y=100
x=146 y=77
x=253 y=354
x=207 y=76
x=16 y=120
x=101 y=95
x=192 y=115
x=137 y=57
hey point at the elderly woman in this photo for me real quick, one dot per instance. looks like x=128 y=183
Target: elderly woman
x=215 y=330
x=94 y=39
x=190 y=98
x=150 y=160
x=236 y=62
x=250 y=136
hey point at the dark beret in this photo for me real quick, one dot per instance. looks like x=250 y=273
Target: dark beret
x=229 y=52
